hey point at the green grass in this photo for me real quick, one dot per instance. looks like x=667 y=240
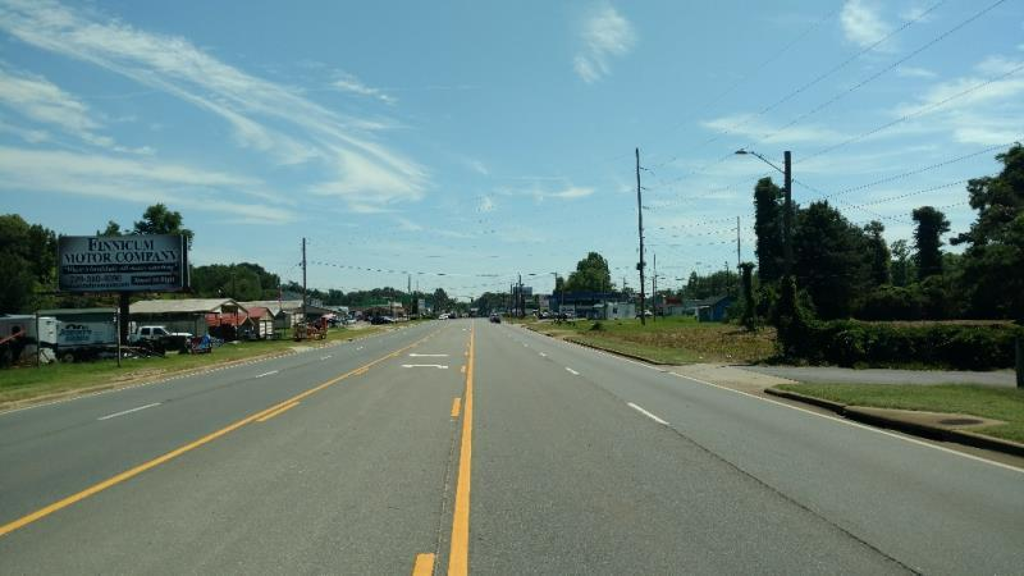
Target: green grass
x=24 y=383
x=998 y=403
x=670 y=340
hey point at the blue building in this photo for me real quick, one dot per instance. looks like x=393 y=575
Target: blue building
x=713 y=309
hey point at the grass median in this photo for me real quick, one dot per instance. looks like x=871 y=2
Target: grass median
x=1006 y=404
x=668 y=340
x=22 y=384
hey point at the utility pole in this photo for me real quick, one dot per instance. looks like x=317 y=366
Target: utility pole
x=738 y=257
x=654 y=289
x=640 y=227
x=303 y=279
x=787 y=219
x=520 y=300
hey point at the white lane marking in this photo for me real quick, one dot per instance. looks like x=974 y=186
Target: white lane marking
x=836 y=419
x=325 y=357
x=839 y=420
x=265 y=374
x=123 y=412
x=571 y=371
x=439 y=366
x=543 y=355
x=646 y=413
x=414 y=355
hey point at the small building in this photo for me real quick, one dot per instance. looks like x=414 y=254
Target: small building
x=713 y=309
x=614 y=311
x=252 y=323
x=185 y=315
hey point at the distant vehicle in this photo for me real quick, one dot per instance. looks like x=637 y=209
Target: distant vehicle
x=647 y=313
x=442 y=317
x=160 y=337
x=495 y=319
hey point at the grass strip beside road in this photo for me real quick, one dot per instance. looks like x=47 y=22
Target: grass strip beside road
x=1006 y=404
x=26 y=383
x=668 y=340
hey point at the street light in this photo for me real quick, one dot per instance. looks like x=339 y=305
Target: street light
x=787 y=217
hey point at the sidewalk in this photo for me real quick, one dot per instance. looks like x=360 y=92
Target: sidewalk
x=835 y=375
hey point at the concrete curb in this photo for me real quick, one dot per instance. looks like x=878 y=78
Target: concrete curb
x=916 y=429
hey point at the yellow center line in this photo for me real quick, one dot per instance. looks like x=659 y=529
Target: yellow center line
x=280 y=410
x=456 y=407
x=424 y=565
x=458 y=558
x=133 y=472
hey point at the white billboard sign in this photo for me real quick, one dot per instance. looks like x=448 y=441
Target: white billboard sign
x=141 y=263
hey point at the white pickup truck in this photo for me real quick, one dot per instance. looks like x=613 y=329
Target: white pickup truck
x=159 y=336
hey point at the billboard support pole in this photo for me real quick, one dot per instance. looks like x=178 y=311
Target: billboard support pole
x=122 y=313
x=117 y=320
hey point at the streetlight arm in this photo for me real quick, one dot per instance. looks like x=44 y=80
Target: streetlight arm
x=743 y=152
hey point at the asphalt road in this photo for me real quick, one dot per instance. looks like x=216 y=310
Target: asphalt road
x=467 y=445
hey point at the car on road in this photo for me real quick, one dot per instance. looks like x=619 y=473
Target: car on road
x=495 y=319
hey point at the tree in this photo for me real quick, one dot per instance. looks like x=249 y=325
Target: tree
x=244 y=281
x=441 y=301
x=591 y=275
x=28 y=263
x=749 y=318
x=931 y=225
x=112 y=229
x=829 y=257
x=878 y=253
x=719 y=283
x=902 y=267
x=158 y=219
x=768 y=226
x=992 y=263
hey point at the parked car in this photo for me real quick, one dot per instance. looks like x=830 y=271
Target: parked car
x=160 y=338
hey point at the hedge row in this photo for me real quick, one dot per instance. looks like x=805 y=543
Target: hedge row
x=956 y=346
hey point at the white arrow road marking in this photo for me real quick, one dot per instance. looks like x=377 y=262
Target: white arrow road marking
x=325 y=357
x=265 y=374
x=571 y=371
x=646 y=413
x=543 y=355
x=122 y=413
x=439 y=366
x=414 y=355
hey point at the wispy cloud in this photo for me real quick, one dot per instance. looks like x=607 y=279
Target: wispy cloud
x=982 y=108
x=349 y=83
x=267 y=117
x=38 y=100
x=605 y=34
x=487 y=204
x=915 y=72
x=862 y=23
x=138 y=181
x=540 y=193
x=750 y=127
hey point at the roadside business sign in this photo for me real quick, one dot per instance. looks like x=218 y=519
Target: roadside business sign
x=141 y=263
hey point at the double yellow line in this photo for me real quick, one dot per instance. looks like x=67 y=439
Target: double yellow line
x=128 y=474
x=458 y=556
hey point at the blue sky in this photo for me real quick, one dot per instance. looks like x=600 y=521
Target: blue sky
x=484 y=139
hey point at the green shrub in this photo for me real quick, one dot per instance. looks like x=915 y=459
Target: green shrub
x=855 y=343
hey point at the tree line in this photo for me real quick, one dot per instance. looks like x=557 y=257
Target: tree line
x=843 y=270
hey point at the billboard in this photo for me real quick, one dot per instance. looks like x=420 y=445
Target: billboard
x=142 y=263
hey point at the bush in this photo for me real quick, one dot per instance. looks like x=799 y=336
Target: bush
x=956 y=346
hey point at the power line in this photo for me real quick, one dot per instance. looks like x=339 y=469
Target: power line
x=917 y=171
x=916 y=113
x=872 y=77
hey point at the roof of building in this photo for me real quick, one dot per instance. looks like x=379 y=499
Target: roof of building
x=185 y=306
x=275 y=306
x=712 y=300
x=70 y=311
